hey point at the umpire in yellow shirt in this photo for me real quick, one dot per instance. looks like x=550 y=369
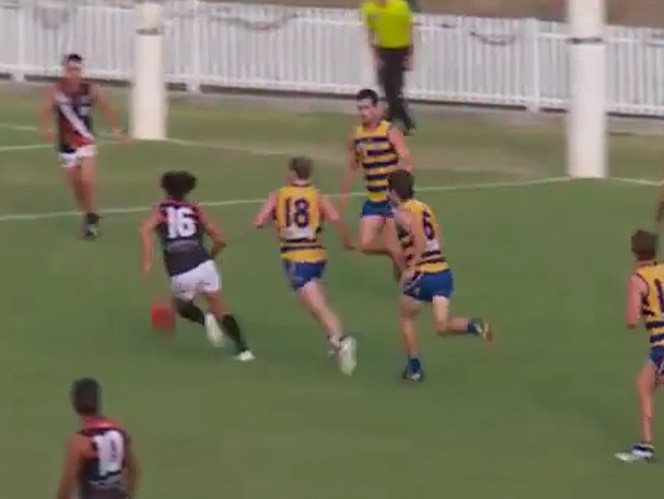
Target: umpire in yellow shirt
x=389 y=25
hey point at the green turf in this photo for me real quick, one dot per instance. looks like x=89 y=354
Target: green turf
x=537 y=416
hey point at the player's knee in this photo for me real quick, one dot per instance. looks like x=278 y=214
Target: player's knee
x=442 y=327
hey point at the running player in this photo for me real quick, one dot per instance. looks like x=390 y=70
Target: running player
x=181 y=226
x=99 y=462
x=426 y=276
x=298 y=210
x=645 y=298
x=71 y=101
x=378 y=148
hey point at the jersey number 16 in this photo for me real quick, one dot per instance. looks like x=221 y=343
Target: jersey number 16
x=181 y=221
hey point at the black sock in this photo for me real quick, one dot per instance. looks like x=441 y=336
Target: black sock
x=232 y=329
x=91 y=219
x=188 y=310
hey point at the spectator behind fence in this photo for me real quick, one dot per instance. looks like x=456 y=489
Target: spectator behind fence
x=389 y=26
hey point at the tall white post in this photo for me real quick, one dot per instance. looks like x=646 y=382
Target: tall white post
x=149 y=102
x=587 y=112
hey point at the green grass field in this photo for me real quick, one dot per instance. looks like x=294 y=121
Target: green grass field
x=539 y=415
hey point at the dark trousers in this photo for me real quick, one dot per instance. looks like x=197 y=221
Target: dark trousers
x=391 y=77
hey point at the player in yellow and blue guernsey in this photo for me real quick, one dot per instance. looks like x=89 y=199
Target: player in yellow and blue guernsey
x=645 y=299
x=377 y=148
x=298 y=211
x=426 y=276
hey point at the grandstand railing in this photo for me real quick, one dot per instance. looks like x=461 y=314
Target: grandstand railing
x=508 y=62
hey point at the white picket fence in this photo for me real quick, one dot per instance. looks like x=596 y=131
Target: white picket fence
x=458 y=59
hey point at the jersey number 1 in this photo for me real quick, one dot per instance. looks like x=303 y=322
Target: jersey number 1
x=180 y=220
x=110 y=452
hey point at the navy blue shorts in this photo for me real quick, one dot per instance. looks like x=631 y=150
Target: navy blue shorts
x=425 y=286
x=377 y=209
x=301 y=273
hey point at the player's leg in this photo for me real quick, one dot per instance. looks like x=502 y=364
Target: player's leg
x=87 y=156
x=408 y=309
x=69 y=164
x=183 y=291
x=305 y=281
x=440 y=288
x=220 y=320
x=368 y=232
x=646 y=382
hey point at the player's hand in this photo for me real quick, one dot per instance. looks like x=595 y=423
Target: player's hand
x=349 y=245
x=146 y=268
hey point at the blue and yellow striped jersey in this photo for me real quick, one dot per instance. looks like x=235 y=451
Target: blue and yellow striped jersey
x=652 y=305
x=298 y=218
x=432 y=259
x=378 y=158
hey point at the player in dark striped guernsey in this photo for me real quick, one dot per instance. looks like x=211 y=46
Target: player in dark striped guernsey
x=100 y=461
x=181 y=227
x=70 y=101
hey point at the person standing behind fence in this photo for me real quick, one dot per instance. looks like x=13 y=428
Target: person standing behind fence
x=389 y=25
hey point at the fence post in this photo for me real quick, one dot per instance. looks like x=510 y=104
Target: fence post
x=534 y=91
x=194 y=83
x=19 y=74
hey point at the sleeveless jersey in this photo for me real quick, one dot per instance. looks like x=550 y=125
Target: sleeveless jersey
x=101 y=474
x=73 y=110
x=432 y=259
x=378 y=158
x=181 y=235
x=298 y=218
x=652 y=305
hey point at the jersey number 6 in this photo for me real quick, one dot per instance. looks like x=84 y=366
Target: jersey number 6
x=427 y=226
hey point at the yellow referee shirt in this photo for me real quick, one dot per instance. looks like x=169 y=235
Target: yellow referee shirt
x=389 y=22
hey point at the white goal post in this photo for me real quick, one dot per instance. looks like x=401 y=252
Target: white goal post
x=587 y=110
x=148 y=102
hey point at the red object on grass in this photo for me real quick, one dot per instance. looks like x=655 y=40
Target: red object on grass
x=163 y=317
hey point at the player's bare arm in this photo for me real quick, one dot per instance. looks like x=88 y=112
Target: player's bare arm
x=659 y=215
x=46 y=116
x=398 y=142
x=349 y=174
x=393 y=245
x=214 y=233
x=108 y=111
x=132 y=472
x=331 y=214
x=636 y=290
x=147 y=240
x=76 y=447
x=265 y=213
x=410 y=222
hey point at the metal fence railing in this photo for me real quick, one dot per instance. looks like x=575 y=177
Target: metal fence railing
x=520 y=62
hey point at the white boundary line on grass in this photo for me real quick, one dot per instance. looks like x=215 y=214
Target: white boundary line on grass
x=16 y=217
x=637 y=181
